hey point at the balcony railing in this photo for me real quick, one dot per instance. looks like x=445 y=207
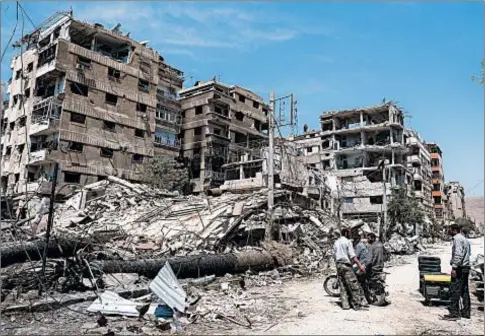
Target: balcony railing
x=166 y=141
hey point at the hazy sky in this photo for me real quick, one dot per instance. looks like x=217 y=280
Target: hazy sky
x=330 y=55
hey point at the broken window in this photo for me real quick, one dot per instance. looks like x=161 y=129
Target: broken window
x=47 y=55
x=18 y=74
x=143 y=85
x=109 y=126
x=435 y=163
x=348 y=200
x=111 y=99
x=137 y=158
x=78 y=118
x=8 y=151
x=198 y=110
x=265 y=111
x=45 y=87
x=113 y=73
x=436 y=187
x=83 y=63
x=79 y=89
x=102 y=178
x=198 y=131
x=139 y=133
x=27 y=93
x=20 y=148
x=12 y=125
x=75 y=146
x=240 y=138
x=309 y=149
x=141 y=107
x=242 y=99
x=22 y=121
x=257 y=125
x=107 y=152
x=255 y=104
x=30 y=177
x=239 y=116
x=70 y=177
x=375 y=199
x=17 y=177
x=30 y=66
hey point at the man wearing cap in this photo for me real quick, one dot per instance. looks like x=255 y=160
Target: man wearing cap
x=344 y=255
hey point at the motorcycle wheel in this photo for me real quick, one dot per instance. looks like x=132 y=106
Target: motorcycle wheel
x=331 y=286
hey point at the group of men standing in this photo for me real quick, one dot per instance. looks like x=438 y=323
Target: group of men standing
x=369 y=260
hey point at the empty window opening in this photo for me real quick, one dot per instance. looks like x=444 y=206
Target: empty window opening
x=17 y=177
x=45 y=87
x=143 y=85
x=12 y=125
x=436 y=187
x=111 y=99
x=309 y=149
x=137 y=158
x=239 y=116
x=20 y=148
x=70 y=177
x=75 y=146
x=30 y=66
x=27 y=93
x=83 y=63
x=79 y=89
x=113 y=73
x=375 y=199
x=257 y=125
x=198 y=110
x=198 y=131
x=141 y=107
x=242 y=99
x=47 y=55
x=102 y=178
x=44 y=42
x=22 y=121
x=139 y=133
x=18 y=74
x=348 y=200
x=78 y=118
x=265 y=111
x=107 y=152
x=255 y=104
x=109 y=126
x=30 y=177
x=8 y=151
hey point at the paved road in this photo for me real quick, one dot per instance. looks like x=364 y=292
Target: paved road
x=316 y=314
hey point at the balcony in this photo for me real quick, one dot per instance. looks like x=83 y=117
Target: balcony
x=38 y=157
x=418 y=194
x=162 y=141
x=414 y=159
x=435 y=193
x=44 y=126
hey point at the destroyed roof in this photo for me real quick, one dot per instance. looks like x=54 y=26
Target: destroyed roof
x=213 y=82
x=370 y=109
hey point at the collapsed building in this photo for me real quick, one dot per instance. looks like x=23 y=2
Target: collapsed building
x=224 y=127
x=360 y=149
x=455 y=194
x=90 y=99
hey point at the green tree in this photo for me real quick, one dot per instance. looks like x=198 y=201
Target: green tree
x=402 y=209
x=466 y=224
x=165 y=172
x=479 y=78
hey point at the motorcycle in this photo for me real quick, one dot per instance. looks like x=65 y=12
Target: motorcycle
x=377 y=288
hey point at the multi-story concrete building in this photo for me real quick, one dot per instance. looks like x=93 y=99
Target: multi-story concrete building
x=91 y=99
x=438 y=180
x=419 y=165
x=355 y=145
x=456 y=199
x=224 y=128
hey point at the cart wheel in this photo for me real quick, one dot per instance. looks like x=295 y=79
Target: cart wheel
x=428 y=303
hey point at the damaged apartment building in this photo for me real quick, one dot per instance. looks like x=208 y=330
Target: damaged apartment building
x=455 y=194
x=440 y=204
x=91 y=99
x=419 y=166
x=360 y=148
x=224 y=129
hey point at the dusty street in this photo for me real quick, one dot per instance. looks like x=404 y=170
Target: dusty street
x=317 y=314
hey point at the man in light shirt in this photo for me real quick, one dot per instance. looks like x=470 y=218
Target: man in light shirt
x=344 y=255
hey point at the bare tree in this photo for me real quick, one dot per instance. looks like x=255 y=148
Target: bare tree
x=479 y=78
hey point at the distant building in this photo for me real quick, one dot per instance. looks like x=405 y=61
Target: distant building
x=438 y=180
x=456 y=198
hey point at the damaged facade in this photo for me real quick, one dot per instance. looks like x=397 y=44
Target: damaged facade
x=438 y=180
x=224 y=128
x=419 y=165
x=353 y=146
x=455 y=194
x=91 y=99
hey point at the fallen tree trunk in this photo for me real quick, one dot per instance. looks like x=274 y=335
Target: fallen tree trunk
x=193 y=266
x=59 y=247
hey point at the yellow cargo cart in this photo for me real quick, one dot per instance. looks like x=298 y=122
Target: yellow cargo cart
x=433 y=284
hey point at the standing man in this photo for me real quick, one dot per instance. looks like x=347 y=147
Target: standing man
x=344 y=254
x=376 y=254
x=460 y=270
x=362 y=254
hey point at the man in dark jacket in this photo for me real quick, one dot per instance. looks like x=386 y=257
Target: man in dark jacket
x=460 y=270
x=362 y=254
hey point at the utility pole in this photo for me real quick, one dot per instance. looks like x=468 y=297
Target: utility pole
x=384 y=201
x=50 y=219
x=269 y=225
